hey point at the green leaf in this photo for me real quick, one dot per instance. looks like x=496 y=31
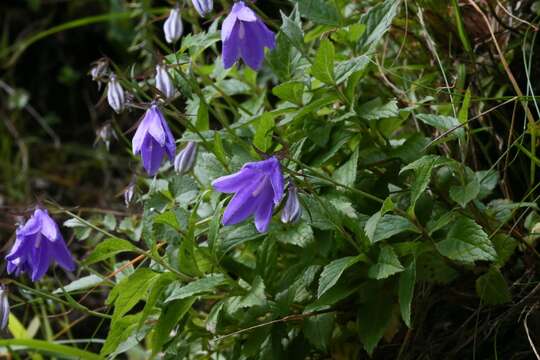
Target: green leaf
x=318 y=330
x=463 y=115
x=465 y=193
x=170 y=316
x=344 y=69
x=300 y=234
x=292 y=28
x=204 y=285
x=291 y=91
x=373 y=319
x=120 y=331
x=466 y=241
x=80 y=284
x=375 y=110
x=387 y=264
x=443 y=123
x=319 y=11
x=333 y=271
x=128 y=292
x=49 y=347
x=323 y=65
x=156 y=291
x=377 y=21
x=202 y=123
x=379 y=227
x=346 y=174
x=263 y=135
x=407 y=280
x=492 y=288
x=108 y=248
x=505 y=247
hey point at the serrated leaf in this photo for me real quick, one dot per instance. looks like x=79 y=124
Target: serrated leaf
x=120 y=331
x=387 y=264
x=204 y=285
x=407 y=280
x=319 y=11
x=170 y=316
x=292 y=29
x=128 y=292
x=463 y=194
x=291 y=91
x=443 y=123
x=300 y=234
x=379 y=227
x=323 y=65
x=344 y=69
x=263 y=135
x=109 y=248
x=346 y=174
x=466 y=241
x=505 y=247
x=491 y=287
x=375 y=110
x=333 y=271
x=377 y=21
x=318 y=330
x=373 y=319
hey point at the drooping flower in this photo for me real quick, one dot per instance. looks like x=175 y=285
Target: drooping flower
x=38 y=242
x=203 y=7
x=4 y=308
x=153 y=139
x=258 y=187
x=173 y=27
x=115 y=95
x=105 y=134
x=292 y=210
x=245 y=36
x=164 y=82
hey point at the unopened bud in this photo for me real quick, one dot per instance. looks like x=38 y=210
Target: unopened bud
x=292 y=210
x=105 y=134
x=203 y=7
x=98 y=70
x=115 y=94
x=164 y=82
x=184 y=161
x=128 y=193
x=4 y=308
x=173 y=27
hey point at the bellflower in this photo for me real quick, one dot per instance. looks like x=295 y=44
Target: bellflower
x=203 y=7
x=38 y=242
x=257 y=187
x=164 y=82
x=4 y=308
x=185 y=159
x=173 y=27
x=115 y=94
x=245 y=36
x=153 y=139
x=292 y=210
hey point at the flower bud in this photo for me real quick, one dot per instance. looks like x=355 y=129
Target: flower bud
x=164 y=82
x=98 y=70
x=128 y=193
x=4 y=308
x=105 y=134
x=185 y=159
x=173 y=27
x=292 y=210
x=115 y=95
x=203 y=7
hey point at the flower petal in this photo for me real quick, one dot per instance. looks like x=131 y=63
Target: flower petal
x=231 y=47
x=48 y=227
x=243 y=12
x=228 y=26
x=235 y=182
x=152 y=155
x=263 y=214
x=155 y=125
x=40 y=261
x=22 y=247
x=140 y=135
x=252 y=47
x=241 y=206
x=61 y=254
